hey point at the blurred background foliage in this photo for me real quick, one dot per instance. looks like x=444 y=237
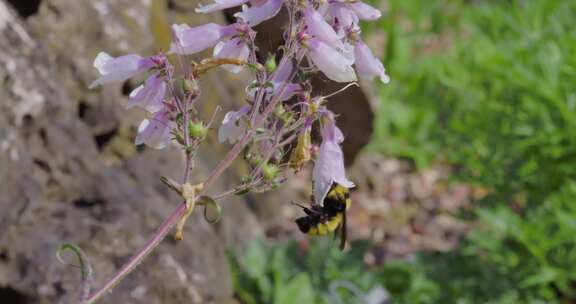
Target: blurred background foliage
x=487 y=87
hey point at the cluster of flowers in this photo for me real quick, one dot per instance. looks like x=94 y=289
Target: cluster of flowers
x=280 y=111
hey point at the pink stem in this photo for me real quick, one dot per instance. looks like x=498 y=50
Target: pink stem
x=158 y=236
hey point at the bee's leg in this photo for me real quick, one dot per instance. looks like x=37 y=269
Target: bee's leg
x=299 y=205
x=343 y=232
x=309 y=211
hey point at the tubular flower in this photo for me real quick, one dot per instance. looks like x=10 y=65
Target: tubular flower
x=346 y=15
x=233 y=125
x=282 y=75
x=256 y=14
x=342 y=16
x=365 y=11
x=155 y=132
x=367 y=65
x=321 y=30
x=233 y=48
x=331 y=62
x=190 y=40
x=150 y=95
x=329 y=166
x=120 y=68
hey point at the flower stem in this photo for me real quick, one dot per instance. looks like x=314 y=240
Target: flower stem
x=158 y=236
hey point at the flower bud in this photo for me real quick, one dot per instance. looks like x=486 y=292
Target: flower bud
x=197 y=130
x=188 y=85
x=285 y=116
x=269 y=171
x=179 y=138
x=254 y=159
x=271 y=64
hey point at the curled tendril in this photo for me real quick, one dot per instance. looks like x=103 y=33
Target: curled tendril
x=209 y=202
x=85 y=267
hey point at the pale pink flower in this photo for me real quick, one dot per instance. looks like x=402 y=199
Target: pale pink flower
x=156 y=131
x=282 y=74
x=365 y=11
x=190 y=40
x=367 y=65
x=119 y=68
x=233 y=48
x=150 y=95
x=278 y=81
x=342 y=16
x=318 y=27
x=334 y=64
x=256 y=14
x=329 y=166
x=233 y=125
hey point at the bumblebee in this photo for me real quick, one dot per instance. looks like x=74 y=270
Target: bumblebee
x=328 y=217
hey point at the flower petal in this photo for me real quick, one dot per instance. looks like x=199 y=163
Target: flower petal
x=282 y=74
x=234 y=48
x=319 y=28
x=329 y=166
x=119 y=68
x=290 y=90
x=190 y=40
x=255 y=15
x=367 y=65
x=233 y=126
x=331 y=62
x=343 y=16
x=365 y=11
x=283 y=71
x=149 y=96
x=155 y=132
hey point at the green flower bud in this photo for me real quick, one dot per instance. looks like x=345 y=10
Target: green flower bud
x=179 y=138
x=189 y=85
x=254 y=160
x=279 y=110
x=197 y=130
x=271 y=63
x=255 y=66
x=285 y=116
x=270 y=172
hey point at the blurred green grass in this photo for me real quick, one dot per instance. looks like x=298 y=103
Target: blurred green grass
x=490 y=88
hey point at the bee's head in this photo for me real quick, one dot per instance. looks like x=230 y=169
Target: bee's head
x=304 y=224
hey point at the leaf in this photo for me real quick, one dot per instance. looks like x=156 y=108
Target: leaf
x=254 y=261
x=544 y=276
x=297 y=290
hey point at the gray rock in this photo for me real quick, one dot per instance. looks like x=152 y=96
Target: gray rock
x=69 y=171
